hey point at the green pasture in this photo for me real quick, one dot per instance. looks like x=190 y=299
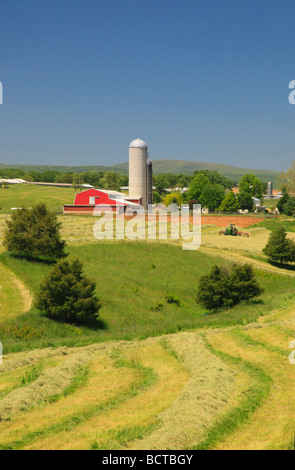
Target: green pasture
x=133 y=281
x=26 y=195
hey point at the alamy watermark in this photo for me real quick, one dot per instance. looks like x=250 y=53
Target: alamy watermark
x=292 y=354
x=292 y=93
x=1 y=93
x=1 y=353
x=157 y=223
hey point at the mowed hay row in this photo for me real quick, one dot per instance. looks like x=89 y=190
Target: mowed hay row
x=271 y=425
x=160 y=392
x=162 y=379
x=103 y=385
x=203 y=398
x=51 y=382
x=272 y=336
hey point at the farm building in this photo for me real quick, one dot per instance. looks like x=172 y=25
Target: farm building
x=104 y=200
x=140 y=187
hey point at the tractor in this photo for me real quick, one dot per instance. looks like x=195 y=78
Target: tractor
x=231 y=230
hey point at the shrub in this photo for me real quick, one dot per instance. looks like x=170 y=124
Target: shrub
x=224 y=288
x=67 y=295
x=279 y=248
x=172 y=299
x=34 y=233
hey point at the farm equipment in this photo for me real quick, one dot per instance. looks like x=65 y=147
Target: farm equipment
x=233 y=231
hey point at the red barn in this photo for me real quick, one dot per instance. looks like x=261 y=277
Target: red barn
x=87 y=201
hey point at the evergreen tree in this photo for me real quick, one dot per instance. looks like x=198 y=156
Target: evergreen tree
x=34 y=233
x=279 y=248
x=224 y=288
x=67 y=295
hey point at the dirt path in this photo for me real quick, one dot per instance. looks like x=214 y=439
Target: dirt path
x=244 y=259
x=15 y=298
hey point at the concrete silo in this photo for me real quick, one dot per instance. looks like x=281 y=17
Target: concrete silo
x=149 y=181
x=140 y=172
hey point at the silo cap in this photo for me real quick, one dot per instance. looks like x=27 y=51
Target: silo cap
x=138 y=144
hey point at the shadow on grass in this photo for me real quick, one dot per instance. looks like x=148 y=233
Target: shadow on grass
x=92 y=323
x=32 y=259
x=289 y=267
x=228 y=309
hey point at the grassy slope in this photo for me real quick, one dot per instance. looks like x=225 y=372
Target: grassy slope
x=27 y=195
x=260 y=415
x=132 y=280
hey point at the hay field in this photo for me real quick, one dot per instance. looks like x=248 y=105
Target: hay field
x=225 y=383
x=132 y=393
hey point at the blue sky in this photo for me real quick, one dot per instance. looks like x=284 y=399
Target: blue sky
x=202 y=80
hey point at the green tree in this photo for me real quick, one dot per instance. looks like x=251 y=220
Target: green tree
x=289 y=207
x=224 y=288
x=217 y=178
x=78 y=180
x=110 y=180
x=65 y=178
x=67 y=295
x=283 y=200
x=156 y=197
x=160 y=183
x=288 y=178
x=173 y=198
x=252 y=185
x=211 y=196
x=197 y=185
x=229 y=203
x=279 y=248
x=34 y=233
x=245 y=201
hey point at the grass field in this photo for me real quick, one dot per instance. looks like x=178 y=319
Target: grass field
x=133 y=281
x=151 y=375
x=26 y=195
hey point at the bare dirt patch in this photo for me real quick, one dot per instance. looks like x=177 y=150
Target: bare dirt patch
x=225 y=220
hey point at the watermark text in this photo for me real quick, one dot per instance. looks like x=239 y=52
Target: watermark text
x=158 y=223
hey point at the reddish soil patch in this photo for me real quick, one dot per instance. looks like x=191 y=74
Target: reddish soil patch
x=225 y=220
x=219 y=220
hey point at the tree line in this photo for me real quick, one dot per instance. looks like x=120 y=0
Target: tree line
x=214 y=191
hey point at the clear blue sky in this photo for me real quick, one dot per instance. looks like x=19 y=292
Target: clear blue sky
x=199 y=80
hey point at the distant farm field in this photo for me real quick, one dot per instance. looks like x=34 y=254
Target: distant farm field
x=26 y=195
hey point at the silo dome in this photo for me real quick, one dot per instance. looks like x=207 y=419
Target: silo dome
x=138 y=144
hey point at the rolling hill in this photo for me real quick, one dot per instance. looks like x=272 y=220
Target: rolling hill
x=188 y=167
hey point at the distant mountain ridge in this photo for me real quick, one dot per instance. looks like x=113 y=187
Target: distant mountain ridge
x=161 y=166
x=188 y=167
